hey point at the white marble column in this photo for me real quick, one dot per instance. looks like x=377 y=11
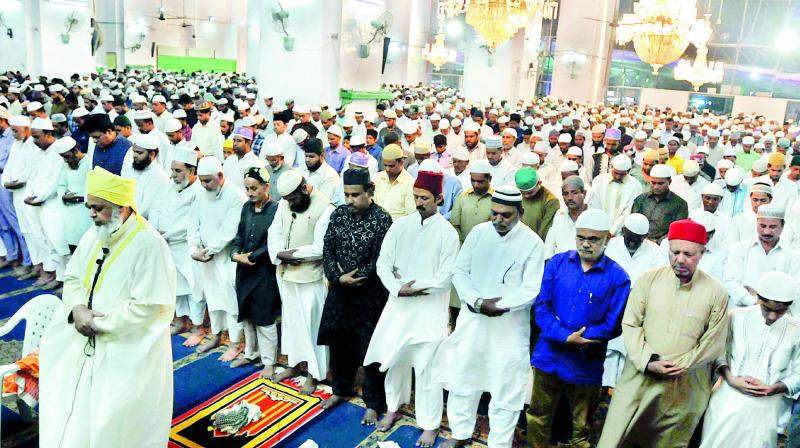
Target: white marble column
x=582 y=53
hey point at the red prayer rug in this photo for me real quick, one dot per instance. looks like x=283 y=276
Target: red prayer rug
x=283 y=411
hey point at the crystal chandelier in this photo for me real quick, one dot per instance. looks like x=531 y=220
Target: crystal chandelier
x=662 y=29
x=701 y=71
x=496 y=21
x=437 y=54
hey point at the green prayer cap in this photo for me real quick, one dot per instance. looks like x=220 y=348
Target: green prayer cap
x=526 y=178
x=326 y=115
x=784 y=142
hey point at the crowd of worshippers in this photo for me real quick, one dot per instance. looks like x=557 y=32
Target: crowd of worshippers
x=541 y=251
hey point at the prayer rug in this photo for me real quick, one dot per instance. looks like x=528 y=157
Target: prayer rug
x=283 y=410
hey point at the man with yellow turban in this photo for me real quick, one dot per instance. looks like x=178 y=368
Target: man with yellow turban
x=106 y=358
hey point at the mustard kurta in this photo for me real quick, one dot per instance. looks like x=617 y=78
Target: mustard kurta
x=686 y=324
x=122 y=395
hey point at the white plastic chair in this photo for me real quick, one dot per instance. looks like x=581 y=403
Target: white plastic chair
x=37 y=312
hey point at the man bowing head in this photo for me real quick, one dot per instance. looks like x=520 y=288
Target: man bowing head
x=106 y=358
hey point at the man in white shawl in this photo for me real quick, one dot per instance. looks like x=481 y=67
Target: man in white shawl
x=759 y=369
x=212 y=227
x=415 y=265
x=171 y=218
x=497 y=275
x=106 y=358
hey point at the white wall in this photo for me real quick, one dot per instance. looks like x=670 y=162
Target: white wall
x=357 y=73
x=676 y=99
x=59 y=58
x=772 y=108
x=12 y=50
x=482 y=81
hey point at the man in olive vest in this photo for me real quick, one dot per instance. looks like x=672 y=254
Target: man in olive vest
x=295 y=245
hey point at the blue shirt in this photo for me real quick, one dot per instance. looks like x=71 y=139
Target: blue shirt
x=570 y=299
x=336 y=157
x=258 y=142
x=452 y=188
x=81 y=137
x=111 y=157
x=375 y=151
x=6 y=140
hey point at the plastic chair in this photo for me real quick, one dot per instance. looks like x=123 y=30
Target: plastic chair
x=37 y=312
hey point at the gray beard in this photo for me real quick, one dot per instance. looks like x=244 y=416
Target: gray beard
x=105 y=231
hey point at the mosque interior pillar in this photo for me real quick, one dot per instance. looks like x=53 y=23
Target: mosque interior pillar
x=582 y=54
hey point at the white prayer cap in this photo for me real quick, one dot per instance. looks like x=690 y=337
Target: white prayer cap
x=5 y=114
x=348 y=122
x=107 y=98
x=712 y=133
x=20 y=120
x=159 y=99
x=335 y=130
x=691 y=168
x=774 y=211
x=444 y=123
x=472 y=127
x=481 y=166
x=531 y=158
x=185 y=155
x=180 y=113
x=210 y=166
x=538 y=122
x=593 y=219
x=142 y=115
x=748 y=140
x=729 y=152
x=510 y=131
x=507 y=195
x=34 y=106
x=704 y=218
x=621 y=162
x=227 y=117
x=529 y=121
x=636 y=223
x=244 y=106
x=172 y=125
x=734 y=176
x=724 y=164
x=57 y=118
x=221 y=101
x=300 y=134
x=273 y=149
x=460 y=153
x=435 y=117
x=702 y=150
x=301 y=109
x=249 y=121
x=55 y=88
x=777 y=286
x=43 y=124
x=503 y=119
x=564 y=138
x=14 y=89
x=288 y=182
x=64 y=144
x=410 y=128
x=541 y=146
x=145 y=141
x=568 y=166
x=640 y=135
x=661 y=171
x=575 y=151
x=430 y=165
x=760 y=166
x=712 y=189
x=358 y=140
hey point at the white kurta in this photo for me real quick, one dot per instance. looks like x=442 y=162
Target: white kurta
x=235 y=167
x=423 y=251
x=121 y=396
x=614 y=198
x=743 y=227
x=689 y=193
x=561 y=236
x=213 y=225
x=208 y=139
x=491 y=354
x=19 y=167
x=152 y=184
x=42 y=187
x=747 y=262
x=76 y=217
x=770 y=353
x=326 y=181
x=502 y=174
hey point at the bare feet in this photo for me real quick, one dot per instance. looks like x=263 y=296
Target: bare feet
x=52 y=285
x=427 y=438
x=291 y=372
x=455 y=443
x=388 y=421
x=267 y=372
x=210 y=343
x=370 y=417
x=231 y=353
x=177 y=326
x=241 y=361
x=309 y=386
x=333 y=401
x=195 y=338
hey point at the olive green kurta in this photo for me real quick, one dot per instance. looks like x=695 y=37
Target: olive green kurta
x=539 y=211
x=469 y=210
x=686 y=324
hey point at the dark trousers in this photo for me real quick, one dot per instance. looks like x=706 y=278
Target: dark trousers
x=345 y=359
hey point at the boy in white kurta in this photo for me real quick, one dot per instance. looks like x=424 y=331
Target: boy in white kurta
x=106 y=358
x=415 y=265
x=497 y=275
x=71 y=190
x=761 y=369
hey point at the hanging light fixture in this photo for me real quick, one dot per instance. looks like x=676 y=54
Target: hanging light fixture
x=496 y=21
x=437 y=54
x=662 y=29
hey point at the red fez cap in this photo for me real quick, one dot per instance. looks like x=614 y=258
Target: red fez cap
x=688 y=230
x=428 y=180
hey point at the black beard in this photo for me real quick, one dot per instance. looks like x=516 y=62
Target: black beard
x=314 y=167
x=305 y=202
x=140 y=166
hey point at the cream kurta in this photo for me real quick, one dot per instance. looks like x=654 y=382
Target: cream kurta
x=614 y=198
x=770 y=353
x=76 y=220
x=748 y=261
x=121 y=396
x=234 y=167
x=561 y=236
x=423 y=251
x=208 y=139
x=491 y=354
x=686 y=324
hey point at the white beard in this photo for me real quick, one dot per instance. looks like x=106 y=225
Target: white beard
x=212 y=195
x=105 y=231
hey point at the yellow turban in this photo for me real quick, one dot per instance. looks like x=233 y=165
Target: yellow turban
x=110 y=187
x=777 y=158
x=228 y=144
x=651 y=155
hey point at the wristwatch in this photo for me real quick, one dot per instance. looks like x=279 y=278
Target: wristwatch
x=477 y=305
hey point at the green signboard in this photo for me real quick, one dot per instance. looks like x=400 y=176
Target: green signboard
x=192 y=64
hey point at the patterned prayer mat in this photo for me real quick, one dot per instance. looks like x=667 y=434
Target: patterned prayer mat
x=283 y=410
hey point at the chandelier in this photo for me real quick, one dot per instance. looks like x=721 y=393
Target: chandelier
x=662 y=29
x=701 y=71
x=496 y=21
x=437 y=54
